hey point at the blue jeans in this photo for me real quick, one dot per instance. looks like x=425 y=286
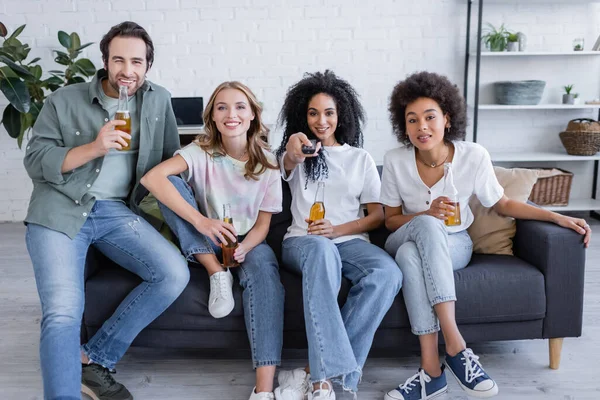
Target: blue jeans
x=263 y=292
x=59 y=263
x=339 y=340
x=428 y=257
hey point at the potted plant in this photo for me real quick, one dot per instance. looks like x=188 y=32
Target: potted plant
x=568 y=98
x=576 y=98
x=21 y=81
x=513 y=42
x=495 y=39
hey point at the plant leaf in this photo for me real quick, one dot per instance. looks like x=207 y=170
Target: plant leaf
x=64 y=39
x=11 y=119
x=75 y=41
x=35 y=111
x=84 y=46
x=21 y=71
x=7 y=55
x=34 y=60
x=55 y=80
x=62 y=59
x=20 y=139
x=75 y=79
x=17 y=94
x=3 y=30
x=7 y=72
x=36 y=70
x=17 y=32
x=86 y=67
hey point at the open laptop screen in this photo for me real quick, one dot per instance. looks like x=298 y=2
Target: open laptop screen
x=188 y=110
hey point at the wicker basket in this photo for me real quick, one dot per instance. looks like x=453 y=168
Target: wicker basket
x=582 y=137
x=552 y=188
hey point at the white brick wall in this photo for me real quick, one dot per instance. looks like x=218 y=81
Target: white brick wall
x=268 y=44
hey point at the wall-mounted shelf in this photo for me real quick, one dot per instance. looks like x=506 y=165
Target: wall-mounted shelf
x=538 y=107
x=534 y=156
x=534 y=53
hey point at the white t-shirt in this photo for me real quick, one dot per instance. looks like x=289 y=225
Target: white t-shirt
x=353 y=182
x=473 y=175
x=220 y=180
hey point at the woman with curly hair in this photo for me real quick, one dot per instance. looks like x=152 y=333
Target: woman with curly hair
x=230 y=164
x=428 y=116
x=326 y=108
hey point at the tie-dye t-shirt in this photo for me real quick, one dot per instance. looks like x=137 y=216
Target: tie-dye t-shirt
x=220 y=180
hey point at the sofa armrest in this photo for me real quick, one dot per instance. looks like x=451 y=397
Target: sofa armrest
x=559 y=254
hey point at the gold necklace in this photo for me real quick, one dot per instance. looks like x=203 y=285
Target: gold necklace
x=241 y=157
x=433 y=164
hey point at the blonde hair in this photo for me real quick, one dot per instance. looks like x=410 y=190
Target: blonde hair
x=257 y=134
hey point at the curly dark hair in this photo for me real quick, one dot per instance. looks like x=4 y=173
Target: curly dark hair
x=293 y=116
x=433 y=86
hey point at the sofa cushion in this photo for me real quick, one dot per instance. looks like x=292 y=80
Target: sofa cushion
x=188 y=312
x=489 y=289
x=492 y=233
x=498 y=288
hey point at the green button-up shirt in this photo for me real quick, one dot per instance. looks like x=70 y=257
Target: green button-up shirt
x=71 y=117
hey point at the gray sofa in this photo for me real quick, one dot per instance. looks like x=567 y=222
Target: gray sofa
x=537 y=294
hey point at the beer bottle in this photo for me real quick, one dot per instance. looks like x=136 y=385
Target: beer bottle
x=123 y=114
x=451 y=192
x=228 y=247
x=317 y=211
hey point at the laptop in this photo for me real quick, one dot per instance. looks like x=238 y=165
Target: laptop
x=188 y=112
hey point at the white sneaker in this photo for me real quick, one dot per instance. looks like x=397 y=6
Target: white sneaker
x=293 y=385
x=261 y=395
x=220 y=300
x=322 y=394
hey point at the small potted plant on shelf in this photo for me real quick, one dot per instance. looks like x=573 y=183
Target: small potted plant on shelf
x=568 y=98
x=513 y=42
x=578 y=44
x=495 y=39
x=576 y=98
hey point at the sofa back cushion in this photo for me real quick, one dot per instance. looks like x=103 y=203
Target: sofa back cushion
x=492 y=233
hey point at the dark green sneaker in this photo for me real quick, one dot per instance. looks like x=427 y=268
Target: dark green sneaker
x=98 y=383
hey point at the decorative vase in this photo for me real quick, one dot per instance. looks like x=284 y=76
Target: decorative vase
x=513 y=46
x=522 y=41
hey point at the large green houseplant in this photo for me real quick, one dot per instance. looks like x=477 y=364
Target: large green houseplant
x=21 y=81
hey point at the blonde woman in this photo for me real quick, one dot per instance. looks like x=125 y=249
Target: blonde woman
x=230 y=164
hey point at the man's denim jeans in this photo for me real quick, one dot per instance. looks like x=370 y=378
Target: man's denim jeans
x=59 y=264
x=428 y=257
x=339 y=340
x=263 y=293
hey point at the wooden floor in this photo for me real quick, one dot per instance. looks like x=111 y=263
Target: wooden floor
x=519 y=367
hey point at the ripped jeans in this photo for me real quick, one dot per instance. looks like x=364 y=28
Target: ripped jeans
x=339 y=340
x=59 y=264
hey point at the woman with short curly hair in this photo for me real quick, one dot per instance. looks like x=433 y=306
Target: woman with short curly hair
x=428 y=115
x=326 y=109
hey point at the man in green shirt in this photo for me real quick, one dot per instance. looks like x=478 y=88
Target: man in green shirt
x=87 y=192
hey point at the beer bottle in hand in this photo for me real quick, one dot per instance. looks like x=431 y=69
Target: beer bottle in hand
x=123 y=114
x=451 y=192
x=228 y=247
x=317 y=211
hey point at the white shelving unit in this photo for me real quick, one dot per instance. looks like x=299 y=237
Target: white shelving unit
x=558 y=156
x=535 y=53
x=577 y=205
x=538 y=107
x=537 y=156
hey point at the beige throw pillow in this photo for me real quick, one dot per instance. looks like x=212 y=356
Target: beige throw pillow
x=490 y=232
